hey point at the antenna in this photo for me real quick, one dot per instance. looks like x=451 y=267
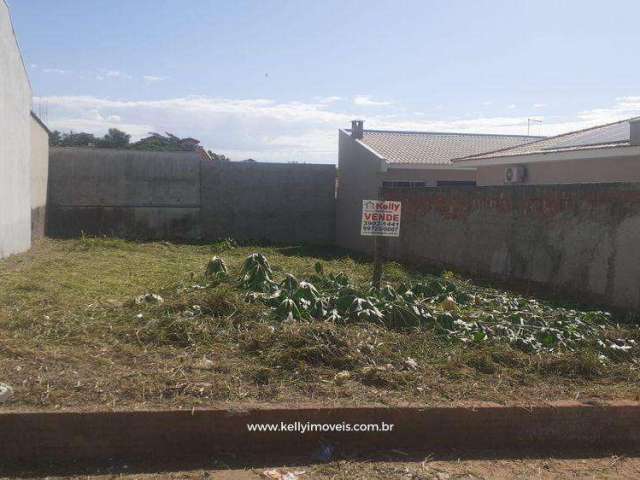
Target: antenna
x=529 y=122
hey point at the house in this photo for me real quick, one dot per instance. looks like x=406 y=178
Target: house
x=23 y=148
x=601 y=154
x=371 y=159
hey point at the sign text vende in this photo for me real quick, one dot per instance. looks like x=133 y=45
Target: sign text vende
x=381 y=218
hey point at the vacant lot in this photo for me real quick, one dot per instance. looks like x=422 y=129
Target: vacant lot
x=76 y=331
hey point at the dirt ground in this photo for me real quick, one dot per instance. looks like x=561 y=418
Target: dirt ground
x=525 y=469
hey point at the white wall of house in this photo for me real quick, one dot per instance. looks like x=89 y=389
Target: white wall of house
x=359 y=171
x=430 y=176
x=39 y=177
x=592 y=170
x=15 y=143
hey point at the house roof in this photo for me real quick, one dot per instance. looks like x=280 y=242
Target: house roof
x=601 y=137
x=435 y=148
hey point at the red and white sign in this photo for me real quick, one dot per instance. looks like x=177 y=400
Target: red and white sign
x=380 y=218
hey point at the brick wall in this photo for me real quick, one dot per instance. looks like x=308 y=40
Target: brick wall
x=579 y=239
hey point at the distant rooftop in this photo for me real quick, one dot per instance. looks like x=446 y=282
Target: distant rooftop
x=437 y=148
x=616 y=134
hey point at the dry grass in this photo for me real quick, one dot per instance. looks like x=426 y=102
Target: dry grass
x=72 y=336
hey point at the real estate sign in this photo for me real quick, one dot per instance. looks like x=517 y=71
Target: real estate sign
x=380 y=218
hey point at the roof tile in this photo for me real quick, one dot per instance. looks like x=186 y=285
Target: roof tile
x=611 y=135
x=435 y=147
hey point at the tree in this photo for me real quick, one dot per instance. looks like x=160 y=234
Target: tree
x=114 y=139
x=168 y=143
x=81 y=139
x=218 y=157
x=118 y=139
x=55 y=138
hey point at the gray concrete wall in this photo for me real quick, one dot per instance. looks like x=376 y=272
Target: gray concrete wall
x=150 y=195
x=573 y=171
x=15 y=140
x=284 y=203
x=39 y=177
x=576 y=239
x=167 y=195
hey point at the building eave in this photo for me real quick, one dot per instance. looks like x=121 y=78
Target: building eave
x=584 y=154
x=426 y=166
x=40 y=122
x=383 y=160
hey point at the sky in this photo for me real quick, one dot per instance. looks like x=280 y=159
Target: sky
x=275 y=80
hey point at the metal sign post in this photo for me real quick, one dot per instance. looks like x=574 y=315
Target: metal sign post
x=380 y=219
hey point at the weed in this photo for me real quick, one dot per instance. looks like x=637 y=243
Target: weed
x=72 y=334
x=452 y=307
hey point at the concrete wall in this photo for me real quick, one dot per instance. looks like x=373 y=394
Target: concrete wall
x=15 y=139
x=178 y=196
x=361 y=174
x=39 y=177
x=150 y=195
x=573 y=171
x=577 y=239
x=284 y=203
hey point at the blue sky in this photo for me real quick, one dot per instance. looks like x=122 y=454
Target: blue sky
x=274 y=80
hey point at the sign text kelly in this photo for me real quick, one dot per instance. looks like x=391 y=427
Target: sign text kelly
x=380 y=218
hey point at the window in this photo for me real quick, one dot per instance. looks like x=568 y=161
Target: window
x=404 y=184
x=456 y=183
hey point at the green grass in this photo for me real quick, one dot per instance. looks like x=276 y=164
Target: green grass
x=73 y=336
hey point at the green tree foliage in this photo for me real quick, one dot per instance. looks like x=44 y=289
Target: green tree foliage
x=73 y=139
x=118 y=139
x=114 y=139
x=218 y=157
x=55 y=138
x=166 y=143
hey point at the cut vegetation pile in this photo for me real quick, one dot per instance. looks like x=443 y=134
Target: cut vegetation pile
x=102 y=322
x=454 y=309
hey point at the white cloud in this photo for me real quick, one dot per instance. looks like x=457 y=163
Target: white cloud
x=258 y=128
x=113 y=74
x=367 y=101
x=153 y=78
x=539 y=105
x=58 y=71
x=328 y=100
x=512 y=106
x=486 y=103
x=287 y=131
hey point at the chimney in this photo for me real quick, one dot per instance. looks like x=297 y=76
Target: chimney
x=634 y=131
x=357 y=129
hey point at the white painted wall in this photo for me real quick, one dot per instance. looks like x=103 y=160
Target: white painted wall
x=15 y=143
x=39 y=177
